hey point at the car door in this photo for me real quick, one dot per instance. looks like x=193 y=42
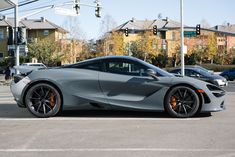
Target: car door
x=124 y=83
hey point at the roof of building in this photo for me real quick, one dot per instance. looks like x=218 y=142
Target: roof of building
x=148 y=24
x=33 y=24
x=225 y=28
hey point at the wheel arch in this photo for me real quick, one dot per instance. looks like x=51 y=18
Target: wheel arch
x=200 y=96
x=48 y=82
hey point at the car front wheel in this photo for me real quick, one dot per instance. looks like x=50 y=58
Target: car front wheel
x=182 y=102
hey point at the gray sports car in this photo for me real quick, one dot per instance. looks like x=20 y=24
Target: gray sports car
x=114 y=82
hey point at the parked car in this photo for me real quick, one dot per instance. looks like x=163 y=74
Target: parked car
x=229 y=74
x=114 y=83
x=202 y=74
x=27 y=67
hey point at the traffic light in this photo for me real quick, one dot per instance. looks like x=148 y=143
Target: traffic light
x=10 y=36
x=198 y=29
x=21 y=36
x=126 y=32
x=155 y=30
x=77 y=6
x=97 y=9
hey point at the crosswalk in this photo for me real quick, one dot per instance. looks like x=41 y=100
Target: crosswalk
x=6 y=98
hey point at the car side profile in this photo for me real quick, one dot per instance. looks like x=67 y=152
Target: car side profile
x=114 y=83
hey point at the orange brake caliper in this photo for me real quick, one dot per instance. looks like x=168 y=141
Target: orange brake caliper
x=173 y=102
x=52 y=100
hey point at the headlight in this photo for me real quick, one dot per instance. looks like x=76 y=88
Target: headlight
x=219 y=82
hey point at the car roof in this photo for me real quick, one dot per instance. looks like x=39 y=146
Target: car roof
x=32 y=63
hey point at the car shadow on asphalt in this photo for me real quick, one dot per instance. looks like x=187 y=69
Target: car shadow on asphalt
x=121 y=114
x=13 y=111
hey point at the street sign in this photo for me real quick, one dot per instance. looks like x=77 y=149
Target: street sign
x=189 y=34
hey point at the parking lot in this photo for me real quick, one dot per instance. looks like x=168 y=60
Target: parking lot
x=106 y=133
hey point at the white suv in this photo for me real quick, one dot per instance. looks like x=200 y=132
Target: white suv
x=26 y=67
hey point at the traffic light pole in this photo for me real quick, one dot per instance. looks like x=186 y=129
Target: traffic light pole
x=182 y=37
x=17 y=48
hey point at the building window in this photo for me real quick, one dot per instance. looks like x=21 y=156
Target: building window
x=173 y=35
x=1 y=34
x=1 y=55
x=46 y=32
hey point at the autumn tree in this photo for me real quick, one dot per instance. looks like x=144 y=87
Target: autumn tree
x=117 y=40
x=212 y=47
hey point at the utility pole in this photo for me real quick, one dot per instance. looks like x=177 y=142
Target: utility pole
x=182 y=37
x=17 y=47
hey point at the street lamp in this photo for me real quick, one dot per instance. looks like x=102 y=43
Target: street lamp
x=182 y=37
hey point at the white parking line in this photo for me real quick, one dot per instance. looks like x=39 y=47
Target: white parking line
x=118 y=150
x=97 y=119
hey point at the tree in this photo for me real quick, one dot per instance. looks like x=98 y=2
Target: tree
x=107 y=24
x=118 y=46
x=72 y=25
x=46 y=51
x=212 y=47
x=148 y=45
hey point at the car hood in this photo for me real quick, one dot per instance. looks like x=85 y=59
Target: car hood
x=215 y=76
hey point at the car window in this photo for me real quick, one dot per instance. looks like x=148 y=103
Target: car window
x=177 y=71
x=91 y=66
x=125 y=68
x=191 y=73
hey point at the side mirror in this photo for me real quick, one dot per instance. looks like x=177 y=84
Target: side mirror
x=152 y=73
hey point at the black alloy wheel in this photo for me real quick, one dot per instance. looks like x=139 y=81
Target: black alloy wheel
x=182 y=102
x=43 y=100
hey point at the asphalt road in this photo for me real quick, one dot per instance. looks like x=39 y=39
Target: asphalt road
x=116 y=134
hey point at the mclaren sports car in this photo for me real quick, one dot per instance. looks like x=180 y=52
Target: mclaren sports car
x=114 y=83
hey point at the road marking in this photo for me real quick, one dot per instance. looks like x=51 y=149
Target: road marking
x=117 y=150
x=97 y=119
x=8 y=98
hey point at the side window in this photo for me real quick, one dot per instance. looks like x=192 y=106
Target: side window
x=125 y=68
x=91 y=66
x=193 y=73
x=177 y=71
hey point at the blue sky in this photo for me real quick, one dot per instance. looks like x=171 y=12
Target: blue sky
x=213 y=11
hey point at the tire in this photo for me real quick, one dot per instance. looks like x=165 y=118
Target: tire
x=182 y=102
x=43 y=100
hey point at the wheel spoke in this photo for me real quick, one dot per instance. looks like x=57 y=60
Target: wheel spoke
x=185 y=92
x=185 y=111
x=180 y=94
x=44 y=108
x=43 y=93
x=37 y=93
x=188 y=106
x=189 y=102
x=39 y=106
x=48 y=106
x=34 y=98
x=47 y=93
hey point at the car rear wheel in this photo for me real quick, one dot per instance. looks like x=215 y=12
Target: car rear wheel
x=43 y=100
x=182 y=102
